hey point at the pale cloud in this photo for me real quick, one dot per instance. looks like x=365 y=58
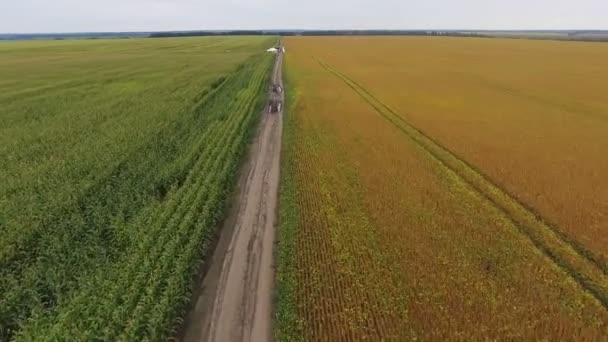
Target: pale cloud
x=150 y=15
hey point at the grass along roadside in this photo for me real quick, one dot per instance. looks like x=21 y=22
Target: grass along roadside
x=286 y=322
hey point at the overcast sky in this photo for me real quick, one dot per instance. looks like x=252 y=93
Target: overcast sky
x=26 y=16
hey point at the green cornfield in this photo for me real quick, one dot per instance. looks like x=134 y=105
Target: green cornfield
x=115 y=160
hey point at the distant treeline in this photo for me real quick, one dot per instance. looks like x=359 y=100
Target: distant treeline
x=382 y=33
x=312 y=33
x=210 y=33
x=578 y=35
x=82 y=35
x=587 y=35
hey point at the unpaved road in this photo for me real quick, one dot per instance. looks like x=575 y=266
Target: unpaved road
x=235 y=296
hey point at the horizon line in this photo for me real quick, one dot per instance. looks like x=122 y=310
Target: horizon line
x=305 y=30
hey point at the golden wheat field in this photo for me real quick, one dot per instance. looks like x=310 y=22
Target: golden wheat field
x=444 y=189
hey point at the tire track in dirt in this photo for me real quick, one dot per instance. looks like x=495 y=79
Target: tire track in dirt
x=235 y=296
x=577 y=262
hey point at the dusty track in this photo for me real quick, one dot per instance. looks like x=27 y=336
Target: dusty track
x=235 y=297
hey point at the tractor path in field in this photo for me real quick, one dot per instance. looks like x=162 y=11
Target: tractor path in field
x=578 y=263
x=234 y=300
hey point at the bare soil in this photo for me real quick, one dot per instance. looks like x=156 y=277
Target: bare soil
x=234 y=300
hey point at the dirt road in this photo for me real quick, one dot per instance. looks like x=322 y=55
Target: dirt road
x=235 y=297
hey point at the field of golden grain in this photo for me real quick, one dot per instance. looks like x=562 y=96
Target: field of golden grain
x=444 y=188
